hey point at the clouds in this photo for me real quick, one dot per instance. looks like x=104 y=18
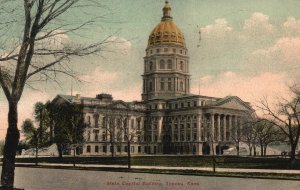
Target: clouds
x=258 y=25
x=292 y=26
x=285 y=51
x=249 y=88
x=217 y=30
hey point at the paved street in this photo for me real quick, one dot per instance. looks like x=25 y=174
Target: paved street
x=57 y=179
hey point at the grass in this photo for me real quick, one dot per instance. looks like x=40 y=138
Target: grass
x=181 y=161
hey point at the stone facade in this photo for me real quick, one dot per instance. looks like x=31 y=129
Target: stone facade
x=168 y=120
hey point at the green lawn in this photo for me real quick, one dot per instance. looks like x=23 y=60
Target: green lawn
x=184 y=161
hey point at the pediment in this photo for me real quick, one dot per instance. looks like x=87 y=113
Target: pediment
x=119 y=105
x=233 y=103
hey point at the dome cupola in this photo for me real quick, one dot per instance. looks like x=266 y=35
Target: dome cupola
x=166 y=32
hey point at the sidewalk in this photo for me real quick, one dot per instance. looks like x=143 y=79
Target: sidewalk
x=232 y=170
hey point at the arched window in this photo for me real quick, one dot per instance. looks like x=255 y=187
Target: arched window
x=181 y=86
x=162 y=64
x=181 y=65
x=150 y=86
x=169 y=64
x=151 y=66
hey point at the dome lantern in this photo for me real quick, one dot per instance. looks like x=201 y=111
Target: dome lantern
x=166 y=11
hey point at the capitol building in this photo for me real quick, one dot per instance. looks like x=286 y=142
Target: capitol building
x=168 y=119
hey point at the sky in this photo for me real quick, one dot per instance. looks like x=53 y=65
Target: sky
x=249 y=49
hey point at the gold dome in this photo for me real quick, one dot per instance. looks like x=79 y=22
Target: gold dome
x=166 y=32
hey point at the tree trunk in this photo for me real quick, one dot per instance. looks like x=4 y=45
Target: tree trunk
x=36 y=154
x=10 y=147
x=261 y=150
x=250 y=150
x=237 y=149
x=129 y=156
x=59 y=149
x=293 y=151
x=74 y=155
x=265 y=150
x=112 y=149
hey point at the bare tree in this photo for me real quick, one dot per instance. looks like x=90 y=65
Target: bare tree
x=266 y=132
x=32 y=58
x=286 y=116
x=249 y=137
x=113 y=128
x=130 y=133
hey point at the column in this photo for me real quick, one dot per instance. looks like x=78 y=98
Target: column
x=172 y=128
x=224 y=128
x=185 y=131
x=219 y=127
x=155 y=85
x=159 y=129
x=230 y=126
x=236 y=126
x=152 y=130
x=199 y=128
x=212 y=117
x=192 y=128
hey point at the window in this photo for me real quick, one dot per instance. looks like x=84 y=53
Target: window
x=195 y=136
x=195 y=103
x=182 y=138
x=151 y=52
x=174 y=50
x=88 y=149
x=138 y=124
x=182 y=105
x=96 y=121
x=89 y=120
x=97 y=149
x=162 y=85
x=157 y=50
x=155 y=138
x=151 y=66
x=103 y=136
x=89 y=136
x=181 y=65
x=176 y=137
x=104 y=122
x=139 y=149
x=181 y=51
x=181 y=86
x=132 y=123
x=96 y=137
x=169 y=64
x=162 y=64
x=176 y=106
x=165 y=49
x=150 y=86
x=104 y=149
x=169 y=86
x=119 y=148
x=126 y=148
x=132 y=149
x=188 y=137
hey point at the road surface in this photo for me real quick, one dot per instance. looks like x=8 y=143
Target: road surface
x=59 y=179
